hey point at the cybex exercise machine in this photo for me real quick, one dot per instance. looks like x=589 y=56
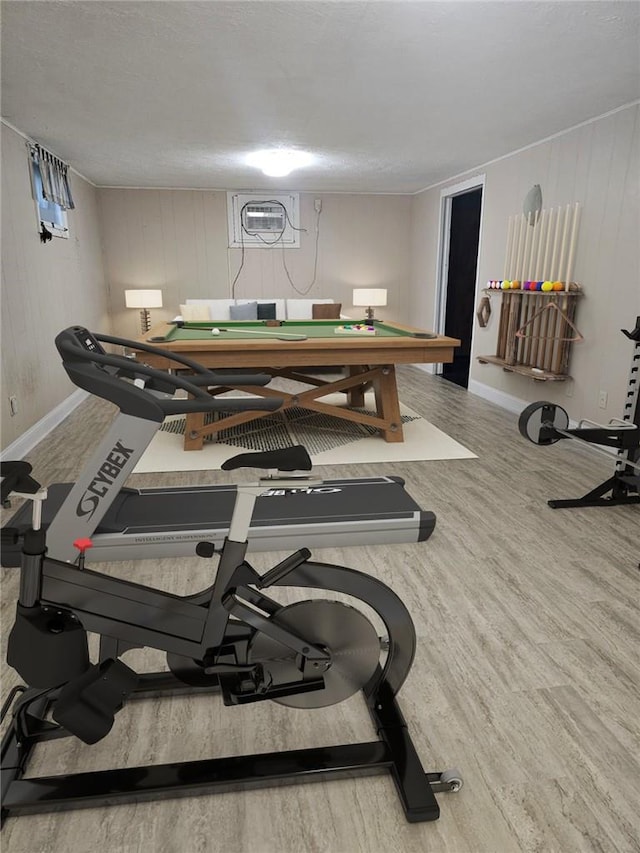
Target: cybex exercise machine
x=231 y=638
x=546 y=423
x=131 y=524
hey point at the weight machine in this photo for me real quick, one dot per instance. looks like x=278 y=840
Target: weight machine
x=545 y=423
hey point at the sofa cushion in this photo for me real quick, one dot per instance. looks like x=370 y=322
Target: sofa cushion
x=218 y=308
x=301 y=309
x=195 y=313
x=266 y=310
x=281 y=308
x=326 y=310
x=245 y=311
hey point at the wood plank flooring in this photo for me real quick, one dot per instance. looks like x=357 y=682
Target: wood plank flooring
x=527 y=675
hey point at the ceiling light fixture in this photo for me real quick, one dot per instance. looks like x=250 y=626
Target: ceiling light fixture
x=279 y=162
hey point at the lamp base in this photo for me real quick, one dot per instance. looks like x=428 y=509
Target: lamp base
x=145 y=320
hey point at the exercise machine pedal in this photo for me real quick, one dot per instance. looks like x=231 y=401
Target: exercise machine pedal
x=87 y=704
x=241 y=690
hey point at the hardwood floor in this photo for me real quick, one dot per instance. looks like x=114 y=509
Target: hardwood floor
x=527 y=675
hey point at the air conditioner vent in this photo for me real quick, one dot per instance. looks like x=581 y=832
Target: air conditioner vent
x=263 y=219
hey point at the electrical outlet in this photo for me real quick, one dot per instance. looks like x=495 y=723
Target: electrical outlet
x=602 y=400
x=318 y=205
x=13 y=405
x=568 y=391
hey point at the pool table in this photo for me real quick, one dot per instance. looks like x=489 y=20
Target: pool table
x=290 y=349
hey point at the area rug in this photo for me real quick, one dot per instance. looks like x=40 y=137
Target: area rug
x=329 y=441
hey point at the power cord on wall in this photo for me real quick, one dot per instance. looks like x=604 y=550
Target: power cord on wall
x=243 y=230
x=318 y=208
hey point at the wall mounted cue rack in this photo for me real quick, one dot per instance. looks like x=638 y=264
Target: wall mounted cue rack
x=535 y=333
x=536 y=327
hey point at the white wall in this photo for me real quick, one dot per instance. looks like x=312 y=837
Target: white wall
x=598 y=165
x=45 y=288
x=177 y=240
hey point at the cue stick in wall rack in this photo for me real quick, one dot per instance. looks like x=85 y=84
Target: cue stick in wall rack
x=542 y=248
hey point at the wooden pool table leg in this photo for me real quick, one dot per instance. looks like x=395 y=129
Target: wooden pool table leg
x=195 y=430
x=356 y=394
x=193 y=435
x=382 y=377
x=387 y=403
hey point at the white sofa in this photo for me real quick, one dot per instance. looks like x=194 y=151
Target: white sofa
x=286 y=309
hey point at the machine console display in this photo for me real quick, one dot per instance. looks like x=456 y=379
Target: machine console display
x=88 y=342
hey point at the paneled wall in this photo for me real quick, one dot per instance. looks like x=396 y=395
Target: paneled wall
x=45 y=287
x=176 y=240
x=597 y=165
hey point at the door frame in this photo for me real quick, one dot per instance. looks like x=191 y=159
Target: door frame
x=447 y=194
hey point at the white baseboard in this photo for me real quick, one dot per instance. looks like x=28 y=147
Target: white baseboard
x=500 y=398
x=505 y=401
x=515 y=405
x=19 y=448
x=428 y=368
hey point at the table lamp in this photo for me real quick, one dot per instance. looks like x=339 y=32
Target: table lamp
x=143 y=299
x=371 y=297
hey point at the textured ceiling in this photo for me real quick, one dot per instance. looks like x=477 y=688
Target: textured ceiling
x=390 y=96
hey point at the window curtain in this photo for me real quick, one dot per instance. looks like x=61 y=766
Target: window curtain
x=55 y=182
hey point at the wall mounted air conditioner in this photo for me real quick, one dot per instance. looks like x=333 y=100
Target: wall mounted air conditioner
x=263 y=219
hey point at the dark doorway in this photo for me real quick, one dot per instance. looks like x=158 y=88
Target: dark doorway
x=461 y=281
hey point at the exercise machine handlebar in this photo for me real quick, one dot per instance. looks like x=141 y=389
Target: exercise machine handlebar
x=230 y=375
x=545 y=423
x=138 y=389
x=609 y=436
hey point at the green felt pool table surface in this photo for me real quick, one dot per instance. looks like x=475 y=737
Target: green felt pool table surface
x=311 y=329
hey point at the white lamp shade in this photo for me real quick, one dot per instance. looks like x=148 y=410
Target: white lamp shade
x=370 y=296
x=143 y=298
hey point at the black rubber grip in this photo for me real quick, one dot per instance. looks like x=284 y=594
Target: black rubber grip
x=220 y=404
x=283 y=568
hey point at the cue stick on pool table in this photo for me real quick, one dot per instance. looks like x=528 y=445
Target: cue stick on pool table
x=281 y=336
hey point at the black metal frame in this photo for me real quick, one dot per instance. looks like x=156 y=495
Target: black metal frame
x=393 y=752
x=624 y=480
x=618 y=486
x=624 y=486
